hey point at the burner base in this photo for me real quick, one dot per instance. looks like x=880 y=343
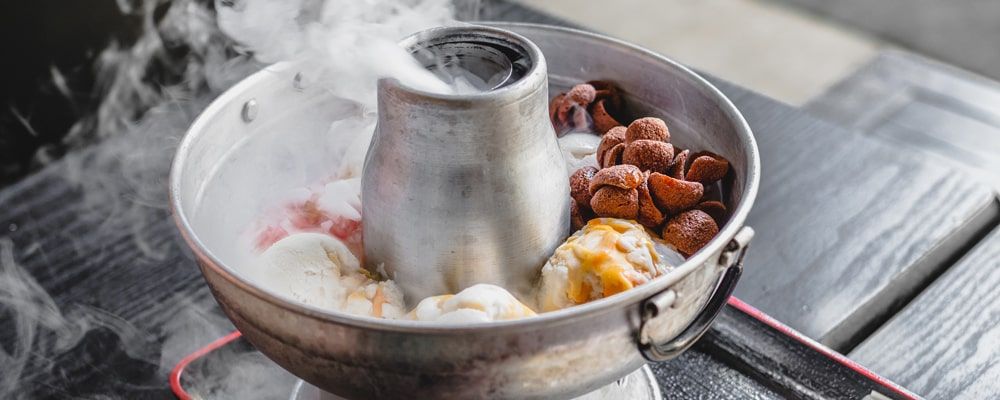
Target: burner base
x=640 y=384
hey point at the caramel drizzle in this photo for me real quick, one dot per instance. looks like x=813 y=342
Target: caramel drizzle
x=609 y=266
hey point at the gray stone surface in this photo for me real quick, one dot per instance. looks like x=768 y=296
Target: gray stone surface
x=960 y=32
x=761 y=45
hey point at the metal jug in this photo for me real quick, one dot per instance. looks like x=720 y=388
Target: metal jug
x=465 y=188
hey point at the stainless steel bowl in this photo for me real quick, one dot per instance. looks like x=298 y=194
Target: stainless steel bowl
x=563 y=353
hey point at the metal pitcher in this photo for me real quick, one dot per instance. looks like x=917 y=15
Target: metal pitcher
x=467 y=187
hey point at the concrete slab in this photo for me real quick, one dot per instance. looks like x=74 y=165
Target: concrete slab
x=779 y=52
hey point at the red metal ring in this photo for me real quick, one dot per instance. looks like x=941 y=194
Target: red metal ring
x=826 y=351
x=175 y=374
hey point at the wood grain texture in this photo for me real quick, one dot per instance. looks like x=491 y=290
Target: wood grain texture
x=698 y=375
x=922 y=104
x=848 y=226
x=126 y=299
x=785 y=365
x=946 y=343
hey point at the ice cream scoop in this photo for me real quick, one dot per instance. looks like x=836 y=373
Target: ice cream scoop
x=579 y=150
x=606 y=257
x=477 y=303
x=319 y=270
x=376 y=299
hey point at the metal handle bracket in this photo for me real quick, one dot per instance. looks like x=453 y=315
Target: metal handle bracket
x=732 y=260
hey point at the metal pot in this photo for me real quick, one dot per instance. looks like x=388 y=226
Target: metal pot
x=558 y=354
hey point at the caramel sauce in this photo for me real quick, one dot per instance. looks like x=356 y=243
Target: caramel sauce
x=377 y=301
x=607 y=262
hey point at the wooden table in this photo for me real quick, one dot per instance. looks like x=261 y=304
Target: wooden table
x=849 y=228
x=946 y=342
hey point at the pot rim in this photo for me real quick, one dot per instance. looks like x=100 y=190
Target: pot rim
x=634 y=296
x=522 y=88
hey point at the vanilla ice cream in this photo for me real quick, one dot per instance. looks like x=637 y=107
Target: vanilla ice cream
x=477 y=303
x=378 y=299
x=606 y=257
x=579 y=150
x=319 y=270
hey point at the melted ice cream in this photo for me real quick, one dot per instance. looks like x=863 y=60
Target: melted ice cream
x=319 y=270
x=579 y=150
x=606 y=257
x=477 y=303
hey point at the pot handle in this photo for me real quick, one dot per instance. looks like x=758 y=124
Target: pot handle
x=731 y=259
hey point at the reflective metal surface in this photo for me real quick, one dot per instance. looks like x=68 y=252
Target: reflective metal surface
x=653 y=345
x=639 y=385
x=559 y=354
x=466 y=188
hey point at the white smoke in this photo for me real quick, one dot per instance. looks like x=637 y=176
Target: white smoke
x=150 y=91
x=43 y=331
x=349 y=43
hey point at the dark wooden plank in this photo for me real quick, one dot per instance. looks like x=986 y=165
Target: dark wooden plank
x=787 y=365
x=698 y=375
x=126 y=299
x=922 y=104
x=848 y=227
x=946 y=343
